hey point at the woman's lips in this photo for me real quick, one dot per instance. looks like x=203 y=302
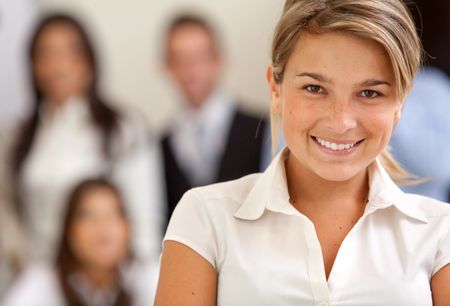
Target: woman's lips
x=340 y=147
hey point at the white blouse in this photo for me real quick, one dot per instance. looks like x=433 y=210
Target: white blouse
x=267 y=253
x=67 y=149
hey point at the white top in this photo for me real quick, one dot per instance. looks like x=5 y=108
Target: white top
x=39 y=286
x=267 y=253
x=199 y=137
x=67 y=149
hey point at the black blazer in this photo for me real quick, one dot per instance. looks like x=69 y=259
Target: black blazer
x=242 y=156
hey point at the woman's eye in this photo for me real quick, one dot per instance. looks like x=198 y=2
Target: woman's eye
x=314 y=89
x=370 y=94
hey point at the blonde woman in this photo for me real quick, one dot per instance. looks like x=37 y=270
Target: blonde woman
x=325 y=224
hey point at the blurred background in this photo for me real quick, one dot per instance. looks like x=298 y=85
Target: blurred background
x=104 y=108
x=129 y=41
x=89 y=175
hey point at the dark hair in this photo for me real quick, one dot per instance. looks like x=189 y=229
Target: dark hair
x=103 y=116
x=187 y=19
x=66 y=261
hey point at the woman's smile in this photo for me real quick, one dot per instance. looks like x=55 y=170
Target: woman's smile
x=336 y=147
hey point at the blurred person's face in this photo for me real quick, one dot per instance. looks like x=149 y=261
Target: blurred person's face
x=99 y=236
x=338 y=104
x=60 y=64
x=193 y=62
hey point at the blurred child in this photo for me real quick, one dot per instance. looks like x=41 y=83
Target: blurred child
x=94 y=265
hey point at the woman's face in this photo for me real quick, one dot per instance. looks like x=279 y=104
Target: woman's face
x=99 y=235
x=337 y=102
x=60 y=64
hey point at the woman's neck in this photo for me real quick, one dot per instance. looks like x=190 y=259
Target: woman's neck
x=100 y=278
x=308 y=188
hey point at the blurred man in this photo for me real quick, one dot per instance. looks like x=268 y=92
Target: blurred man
x=211 y=140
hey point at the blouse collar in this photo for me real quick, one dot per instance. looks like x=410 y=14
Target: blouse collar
x=74 y=109
x=271 y=193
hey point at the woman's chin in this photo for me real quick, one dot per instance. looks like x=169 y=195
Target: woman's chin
x=339 y=172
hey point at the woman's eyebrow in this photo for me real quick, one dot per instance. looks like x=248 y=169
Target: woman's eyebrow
x=319 y=77
x=315 y=76
x=374 y=82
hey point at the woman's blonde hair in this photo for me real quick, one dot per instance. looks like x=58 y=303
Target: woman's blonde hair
x=387 y=22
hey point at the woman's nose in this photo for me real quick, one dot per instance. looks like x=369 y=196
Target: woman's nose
x=341 y=117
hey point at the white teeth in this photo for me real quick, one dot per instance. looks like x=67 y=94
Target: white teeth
x=335 y=146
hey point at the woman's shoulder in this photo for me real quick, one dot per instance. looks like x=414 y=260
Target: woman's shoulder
x=428 y=207
x=203 y=216
x=436 y=215
x=210 y=206
x=231 y=192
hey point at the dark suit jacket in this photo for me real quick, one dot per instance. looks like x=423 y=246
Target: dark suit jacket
x=242 y=156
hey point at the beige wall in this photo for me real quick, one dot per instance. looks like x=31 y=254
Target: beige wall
x=128 y=40
x=16 y=23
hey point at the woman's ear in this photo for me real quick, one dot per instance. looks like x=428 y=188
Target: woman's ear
x=275 y=101
x=398 y=113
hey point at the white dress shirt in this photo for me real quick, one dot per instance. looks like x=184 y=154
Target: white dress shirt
x=67 y=149
x=199 y=137
x=267 y=253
